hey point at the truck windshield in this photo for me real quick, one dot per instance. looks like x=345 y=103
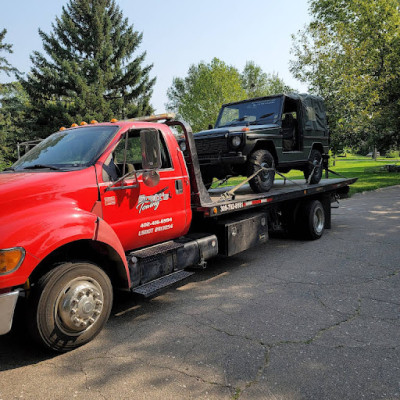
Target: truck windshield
x=75 y=148
x=261 y=111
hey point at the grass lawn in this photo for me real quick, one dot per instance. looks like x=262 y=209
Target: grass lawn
x=371 y=174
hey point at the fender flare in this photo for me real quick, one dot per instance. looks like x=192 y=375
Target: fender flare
x=51 y=229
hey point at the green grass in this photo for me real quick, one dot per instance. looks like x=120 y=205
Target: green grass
x=371 y=174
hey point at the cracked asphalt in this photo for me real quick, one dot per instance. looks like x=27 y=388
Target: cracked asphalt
x=288 y=320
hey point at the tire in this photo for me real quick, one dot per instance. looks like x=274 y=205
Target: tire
x=314 y=160
x=70 y=305
x=264 y=180
x=207 y=180
x=311 y=223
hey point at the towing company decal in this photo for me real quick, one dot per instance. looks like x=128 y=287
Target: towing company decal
x=152 y=201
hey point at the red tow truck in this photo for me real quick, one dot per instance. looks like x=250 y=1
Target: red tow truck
x=119 y=205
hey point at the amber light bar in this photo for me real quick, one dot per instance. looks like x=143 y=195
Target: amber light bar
x=152 y=118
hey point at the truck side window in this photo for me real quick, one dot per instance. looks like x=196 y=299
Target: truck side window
x=113 y=167
x=165 y=158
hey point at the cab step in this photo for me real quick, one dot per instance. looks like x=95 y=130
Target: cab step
x=152 y=288
x=157 y=249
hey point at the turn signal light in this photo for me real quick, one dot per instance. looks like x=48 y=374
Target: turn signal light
x=11 y=259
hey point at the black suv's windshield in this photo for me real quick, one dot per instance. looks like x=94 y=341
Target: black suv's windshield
x=261 y=111
x=75 y=148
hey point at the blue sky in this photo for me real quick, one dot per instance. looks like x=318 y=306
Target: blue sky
x=178 y=33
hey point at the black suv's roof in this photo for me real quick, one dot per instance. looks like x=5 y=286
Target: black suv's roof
x=294 y=96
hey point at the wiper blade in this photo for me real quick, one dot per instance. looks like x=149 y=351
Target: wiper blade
x=41 y=166
x=9 y=169
x=266 y=115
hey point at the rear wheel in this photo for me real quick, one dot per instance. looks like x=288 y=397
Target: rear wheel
x=311 y=222
x=314 y=167
x=265 y=179
x=70 y=305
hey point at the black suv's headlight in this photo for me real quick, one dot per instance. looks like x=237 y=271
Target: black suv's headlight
x=236 y=141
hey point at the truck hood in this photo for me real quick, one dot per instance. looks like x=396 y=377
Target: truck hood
x=29 y=189
x=232 y=129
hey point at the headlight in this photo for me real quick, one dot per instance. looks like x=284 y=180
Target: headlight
x=11 y=259
x=182 y=145
x=236 y=141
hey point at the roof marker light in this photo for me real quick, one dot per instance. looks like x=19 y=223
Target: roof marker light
x=74 y=125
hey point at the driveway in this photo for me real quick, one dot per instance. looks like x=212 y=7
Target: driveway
x=287 y=320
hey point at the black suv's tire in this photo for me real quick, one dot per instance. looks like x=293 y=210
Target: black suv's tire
x=314 y=160
x=264 y=180
x=207 y=180
x=69 y=305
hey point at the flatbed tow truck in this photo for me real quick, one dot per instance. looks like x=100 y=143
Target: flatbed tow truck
x=118 y=205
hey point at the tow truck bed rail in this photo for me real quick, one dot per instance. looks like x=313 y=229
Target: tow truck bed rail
x=245 y=198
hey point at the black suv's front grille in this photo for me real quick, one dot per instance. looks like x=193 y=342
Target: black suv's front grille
x=212 y=145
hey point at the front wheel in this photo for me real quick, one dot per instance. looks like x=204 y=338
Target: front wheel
x=265 y=179
x=207 y=180
x=70 y=305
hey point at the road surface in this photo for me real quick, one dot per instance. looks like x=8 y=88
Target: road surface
x=288 y=320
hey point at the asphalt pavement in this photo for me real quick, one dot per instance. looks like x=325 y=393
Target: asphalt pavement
x=287 y=320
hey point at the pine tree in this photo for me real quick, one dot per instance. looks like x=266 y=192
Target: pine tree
x=5 y=66
x=11 y=105
x=89 y=71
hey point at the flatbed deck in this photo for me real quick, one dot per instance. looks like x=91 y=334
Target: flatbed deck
x=245 y=198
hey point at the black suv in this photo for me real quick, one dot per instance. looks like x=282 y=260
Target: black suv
x=281 y=132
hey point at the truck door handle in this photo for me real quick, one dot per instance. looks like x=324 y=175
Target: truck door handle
x=179 y=186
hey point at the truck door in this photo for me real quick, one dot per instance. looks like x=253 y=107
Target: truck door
x=142 y=215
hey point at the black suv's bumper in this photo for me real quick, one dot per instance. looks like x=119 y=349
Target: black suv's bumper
x=215 y=159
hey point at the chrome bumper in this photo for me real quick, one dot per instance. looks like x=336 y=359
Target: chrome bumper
x=8 y=302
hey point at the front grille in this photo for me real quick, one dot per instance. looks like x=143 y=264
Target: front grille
x=215 y=145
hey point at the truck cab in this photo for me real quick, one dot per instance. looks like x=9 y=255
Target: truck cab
x=79 y=203
x=282 y=132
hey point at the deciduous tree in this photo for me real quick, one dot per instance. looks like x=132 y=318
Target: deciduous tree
x=349 y=54
x=198 y=97
x=258 y=83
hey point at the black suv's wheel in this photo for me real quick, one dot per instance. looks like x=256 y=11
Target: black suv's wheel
x=207 y=180
x=265 y=179
x=70 y=305
x=315 y=160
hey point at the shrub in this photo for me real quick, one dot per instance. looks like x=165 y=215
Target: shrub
x=392 y=153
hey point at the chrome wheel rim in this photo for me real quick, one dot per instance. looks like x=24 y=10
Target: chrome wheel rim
x=78 y=306
x=319 y=220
